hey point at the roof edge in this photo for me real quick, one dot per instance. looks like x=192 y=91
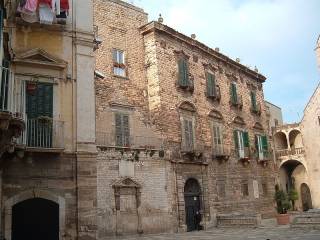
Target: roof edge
x=156 y=26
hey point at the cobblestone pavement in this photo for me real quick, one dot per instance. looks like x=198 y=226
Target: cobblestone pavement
x=266 y=233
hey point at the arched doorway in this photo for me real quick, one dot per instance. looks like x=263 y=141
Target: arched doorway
x=306 y=197
x=192 y=193
x=35 y=219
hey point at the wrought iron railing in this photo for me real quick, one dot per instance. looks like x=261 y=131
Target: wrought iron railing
x=289 y=152
x=243 y=153
x=43 y=133
x=221 y=150
x=110 y=139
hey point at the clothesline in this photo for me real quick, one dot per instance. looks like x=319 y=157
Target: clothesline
x=45 y=11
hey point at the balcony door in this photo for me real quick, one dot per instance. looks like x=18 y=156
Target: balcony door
x=39 y=111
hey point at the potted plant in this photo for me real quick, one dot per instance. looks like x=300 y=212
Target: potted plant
x=293 y=196
x=283 y=205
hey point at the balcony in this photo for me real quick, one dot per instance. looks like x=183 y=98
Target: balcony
x=238 y=103
x=289 y=152
x=110 y=140
x=221 y=152
x=215 y=95
x=256 y=109
x=43 y=135
x=11 y=121
x=243 y=155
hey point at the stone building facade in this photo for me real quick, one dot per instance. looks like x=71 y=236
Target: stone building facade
x=181 y=129
x=296 y=148
x=48 y=180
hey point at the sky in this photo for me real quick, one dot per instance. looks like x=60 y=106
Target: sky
x=277 y=36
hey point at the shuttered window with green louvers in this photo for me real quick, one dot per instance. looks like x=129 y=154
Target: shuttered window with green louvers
x=183 y=73
x=40 y=103
x=211 y=85
x=233 y=93
x=253 y=101
x=122 y=130
x=188 y=134
x=261 y=146
x=241 y=141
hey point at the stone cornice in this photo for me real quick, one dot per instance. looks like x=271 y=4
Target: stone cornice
x=160 y=28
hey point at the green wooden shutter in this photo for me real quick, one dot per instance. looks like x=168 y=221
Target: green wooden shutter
x=233 y=93
x=246 y=139
x=211 y=85
x=126 y=130
x=186 y=73
x=118 y=133
x=265 y=143
x=181 y=72
x=253 y=100
x=236 y=141
x=41 y=102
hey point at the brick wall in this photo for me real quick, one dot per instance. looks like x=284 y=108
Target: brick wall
x=150 y=96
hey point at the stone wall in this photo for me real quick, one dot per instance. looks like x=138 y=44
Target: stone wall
x=310 y=132
x=44 y=175
x=150 y=97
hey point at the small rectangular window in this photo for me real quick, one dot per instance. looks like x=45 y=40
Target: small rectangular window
x=245 y=189
x=264 y=189
x=119 y=67
x=253 y=101
x=188 y=134
x=184 y=80
x=233 y=93
x=122 y=133
x=221 y=188
x=211 y=85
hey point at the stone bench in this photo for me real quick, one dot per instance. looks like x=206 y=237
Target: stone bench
x=238 y=220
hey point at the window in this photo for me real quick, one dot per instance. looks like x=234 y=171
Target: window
x=211 y=85
x=233 y=92
x=183 y=79
x=265 y=189
x=319 y=120
x=253 y=101
x=221 y=188
x=122 y=130
x=217 y=138
x=188 y=139
x=119 y=67
x=261 y=146
x=276 y=122
x=244 y=189
x=241 y=140
x=39 y=111
x=235 y=98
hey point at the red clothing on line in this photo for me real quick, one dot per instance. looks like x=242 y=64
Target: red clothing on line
x=64 y=4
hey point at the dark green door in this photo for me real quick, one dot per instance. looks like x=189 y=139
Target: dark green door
x=39 y=110
x=192 y=203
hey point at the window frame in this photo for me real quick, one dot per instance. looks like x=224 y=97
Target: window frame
x=119 y=68
x=123 y=130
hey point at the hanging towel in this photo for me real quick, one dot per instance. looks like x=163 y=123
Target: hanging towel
x=45 y=13
x=56 y=6
x=31 y=5
x=49 y=2
x=64 y=4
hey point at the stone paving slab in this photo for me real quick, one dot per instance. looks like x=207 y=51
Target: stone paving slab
x=266 y=233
